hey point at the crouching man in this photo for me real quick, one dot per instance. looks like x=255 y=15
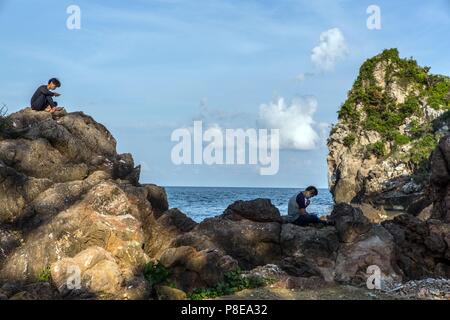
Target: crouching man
x=297 y=213
x=42 y=99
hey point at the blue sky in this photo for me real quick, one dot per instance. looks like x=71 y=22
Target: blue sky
x=146 y=67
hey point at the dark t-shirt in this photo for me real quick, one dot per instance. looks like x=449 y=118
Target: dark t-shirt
x=39 y=99
x=301 y=201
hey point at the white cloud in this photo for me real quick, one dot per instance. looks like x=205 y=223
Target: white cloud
x=295 y=122
x=332 y=47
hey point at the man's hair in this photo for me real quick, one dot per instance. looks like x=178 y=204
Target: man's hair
x=55 y=81
x=313 y=190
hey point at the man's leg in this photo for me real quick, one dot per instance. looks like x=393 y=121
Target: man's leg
x=40 y=104
x=52 y=105
x=306 y=219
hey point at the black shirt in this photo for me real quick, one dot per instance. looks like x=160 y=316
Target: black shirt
x=42 y=98
x=301 y=201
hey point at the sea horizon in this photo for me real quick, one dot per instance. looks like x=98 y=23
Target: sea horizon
x=253 y=187
x=200 y=203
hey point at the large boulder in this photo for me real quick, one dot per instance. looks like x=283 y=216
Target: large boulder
x=67 y=197
x=422 y=247
x=363 y=244
x=374 y=248
x=258 y=210
x=191 y=269
x=250 y=243
x=96 y=268
x=309 y=251
x=92 y=221
x=350 y=222
x=171 y=224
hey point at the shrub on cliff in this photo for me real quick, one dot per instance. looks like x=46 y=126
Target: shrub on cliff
x=349 y=140
x=373 y=104
x=422 y=149
x=234 y=281
x=156 y=273
x=4 y=121
x=378 y=149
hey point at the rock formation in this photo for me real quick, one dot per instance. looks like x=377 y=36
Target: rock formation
x=440 y=180
x=387 y=128
x=69 y=204
x=76 y=223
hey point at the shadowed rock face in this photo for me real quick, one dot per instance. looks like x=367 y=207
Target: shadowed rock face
x=440 y=180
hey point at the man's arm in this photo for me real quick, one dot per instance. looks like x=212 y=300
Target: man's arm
x=50 y=102
x=44 y=90
x=301 y=204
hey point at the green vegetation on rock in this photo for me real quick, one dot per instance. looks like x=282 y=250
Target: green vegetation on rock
x=234 y=281
x=378 y=149
x=372 y=105
x=156 y=273
x=349 y=140
x=422 y=148
x=45 y=275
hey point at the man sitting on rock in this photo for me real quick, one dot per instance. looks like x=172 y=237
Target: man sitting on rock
x=42 y=99
x=297 y=208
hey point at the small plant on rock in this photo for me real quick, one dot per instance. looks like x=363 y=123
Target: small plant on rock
x=156 y=273
x=233 y=281
x=45 y=275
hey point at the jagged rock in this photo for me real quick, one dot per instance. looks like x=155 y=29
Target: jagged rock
x=373 y=248
x=66 y=190
x=350 y=222
x=98 y=271
x=420 y=245
x=86 y=208
x=157 y=197
x=373 y=146
x=250 y=243
x=258 y=210
x=375 y=215
x=167 y=227
x=440 y=180
x=85 y=224
x=425 y=214
x=9 y=240
x=196 y=269
x=16 y=191
x=309 y=251
x=240 y=233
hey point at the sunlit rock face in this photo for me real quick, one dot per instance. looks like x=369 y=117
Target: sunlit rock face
x=391 y=121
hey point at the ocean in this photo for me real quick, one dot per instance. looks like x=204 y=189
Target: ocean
x=200 y=203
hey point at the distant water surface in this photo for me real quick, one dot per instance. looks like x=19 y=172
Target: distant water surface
x=200 y=203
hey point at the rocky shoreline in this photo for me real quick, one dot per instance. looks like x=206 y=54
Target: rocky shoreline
x=76 y=223
x=89 y=212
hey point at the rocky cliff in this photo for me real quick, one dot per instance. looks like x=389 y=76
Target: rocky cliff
x=75 y=222
x=393 y=117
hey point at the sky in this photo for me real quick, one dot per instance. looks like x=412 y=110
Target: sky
x=146 y=68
